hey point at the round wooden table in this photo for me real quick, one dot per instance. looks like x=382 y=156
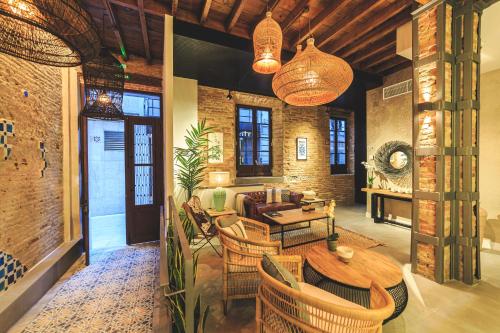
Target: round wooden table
x=352 y=281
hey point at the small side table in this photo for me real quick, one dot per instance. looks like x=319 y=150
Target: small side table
x=212 y=213
x=314 y=201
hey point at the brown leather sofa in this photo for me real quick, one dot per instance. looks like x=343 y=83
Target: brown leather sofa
x=255 y=204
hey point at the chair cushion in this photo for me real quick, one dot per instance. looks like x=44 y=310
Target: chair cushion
x=228 y=220
x=325 y=296
x=277 y=196
x=269 y=196
x=285 y=195
x=277 y=271
x=236 y=229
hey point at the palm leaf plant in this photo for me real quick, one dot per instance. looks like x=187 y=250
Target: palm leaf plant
x=192 y=160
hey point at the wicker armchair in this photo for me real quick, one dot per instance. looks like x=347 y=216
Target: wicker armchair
x=240 y=257
x=280 y=308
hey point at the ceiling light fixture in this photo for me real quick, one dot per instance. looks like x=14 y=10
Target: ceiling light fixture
x=50 y=32
x=312 y=78
x=267 y=42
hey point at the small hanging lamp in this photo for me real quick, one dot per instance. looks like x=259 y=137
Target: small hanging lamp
x=267 y=42
x=50 y=32
x=104 y=80
x=312 y=78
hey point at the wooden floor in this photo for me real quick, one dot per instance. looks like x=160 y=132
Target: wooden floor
x=453 y=307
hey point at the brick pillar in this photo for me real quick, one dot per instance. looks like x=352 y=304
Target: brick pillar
x=444 y=242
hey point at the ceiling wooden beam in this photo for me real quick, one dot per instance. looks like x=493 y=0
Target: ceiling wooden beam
x=205 y=11
x=235 y=14
x=381 y=31
x=116 y=28
x=422 y=2
x=318 y=20
x=396 y=68
x=151 y=7
x=372 y=49
x=361 y=29
x=144 y=29
x=347 y=21
x=389 y=63
x=297 y=11
x=175 y=6
x=378 y=59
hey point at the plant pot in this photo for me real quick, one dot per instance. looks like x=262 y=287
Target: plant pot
x=331 y=244
x=370 y=185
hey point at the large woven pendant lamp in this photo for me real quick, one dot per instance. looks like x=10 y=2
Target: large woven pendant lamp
x=312 y=78
x=267 y=42
x=50 y=32
x=104 y=80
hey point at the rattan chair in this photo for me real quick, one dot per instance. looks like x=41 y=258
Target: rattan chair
x=283 y=309
x=240 y=257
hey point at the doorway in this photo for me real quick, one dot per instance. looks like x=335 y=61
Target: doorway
x=122 y=173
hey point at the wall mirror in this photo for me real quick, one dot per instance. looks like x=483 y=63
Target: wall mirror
x=394 y=160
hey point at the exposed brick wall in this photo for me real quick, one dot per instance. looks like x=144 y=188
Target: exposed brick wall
x=288 y=123
x=31 y=207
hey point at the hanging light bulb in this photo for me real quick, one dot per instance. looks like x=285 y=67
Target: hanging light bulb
x=21 y=8
x=267 y=42
x=312 y=78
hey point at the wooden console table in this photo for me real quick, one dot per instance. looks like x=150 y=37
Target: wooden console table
x=377 y=201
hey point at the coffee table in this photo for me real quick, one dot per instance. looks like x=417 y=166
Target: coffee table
x=296 y=216
x=352 y=281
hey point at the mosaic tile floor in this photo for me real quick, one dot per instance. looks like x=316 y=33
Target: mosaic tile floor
x=114 y=294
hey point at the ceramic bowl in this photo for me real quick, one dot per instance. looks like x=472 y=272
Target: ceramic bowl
x=345 y=253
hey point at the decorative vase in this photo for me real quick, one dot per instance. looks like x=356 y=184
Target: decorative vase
x=219 y=197
x=370 y=185
x=331 y=242
x=332 y=245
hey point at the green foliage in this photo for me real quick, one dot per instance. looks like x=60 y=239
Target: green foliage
x=191 y=161
x=176 y=270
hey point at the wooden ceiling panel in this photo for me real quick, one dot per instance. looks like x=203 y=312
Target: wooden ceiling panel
x=360 y=31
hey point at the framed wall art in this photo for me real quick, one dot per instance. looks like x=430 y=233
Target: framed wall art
x=301 y=149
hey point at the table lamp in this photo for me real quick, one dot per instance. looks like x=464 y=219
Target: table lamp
x=219 y=179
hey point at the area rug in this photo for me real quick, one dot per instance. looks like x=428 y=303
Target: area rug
x=114 y=294
x=318 y=231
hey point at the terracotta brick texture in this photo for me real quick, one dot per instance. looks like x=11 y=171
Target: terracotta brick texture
x=31 y=206
x=288 y=123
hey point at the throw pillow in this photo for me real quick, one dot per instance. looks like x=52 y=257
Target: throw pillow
x=272 y=267
x=277 y=195
x=236 y=229
x=228 y=220
x=269 y=196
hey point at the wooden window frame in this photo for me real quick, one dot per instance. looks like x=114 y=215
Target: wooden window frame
x=253 y=170
x=339 y=169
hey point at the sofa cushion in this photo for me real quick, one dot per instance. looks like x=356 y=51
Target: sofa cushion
x=278 y=271
x=277 y=206
x=325 y=296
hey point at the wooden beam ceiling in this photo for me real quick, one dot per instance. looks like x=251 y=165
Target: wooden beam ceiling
x=116 y=28
x=381 y=45
x=235 y=14
x=368 y=26
x=362 y=42
x=298 y=10
x=317 y=21
x=348 y=21
x=144 y=29
x=204 y=12
x=382 y=57
x=175 y=6
x=402 y=63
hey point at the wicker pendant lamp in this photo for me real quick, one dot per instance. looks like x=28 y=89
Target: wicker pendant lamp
x=50 y=32
x=104 y=80
x=267 y=42
x=312 y=78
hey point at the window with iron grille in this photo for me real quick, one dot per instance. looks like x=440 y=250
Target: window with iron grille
x=253 y=141
x=114 y=140
x=338 y=145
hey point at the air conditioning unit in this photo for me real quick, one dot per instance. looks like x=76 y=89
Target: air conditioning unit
x=398 y=89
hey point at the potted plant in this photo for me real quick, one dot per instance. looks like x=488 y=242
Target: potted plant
x=370 y=171
x=331 y=239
